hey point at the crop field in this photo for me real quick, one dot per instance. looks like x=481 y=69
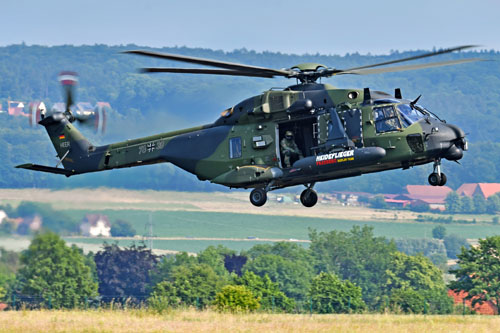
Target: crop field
x=209 y=321
x=181 y=218
x=246 y=230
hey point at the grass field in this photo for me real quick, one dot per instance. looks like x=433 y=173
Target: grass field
x=209 y=321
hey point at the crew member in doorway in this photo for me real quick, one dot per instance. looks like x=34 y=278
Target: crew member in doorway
x=289 y=149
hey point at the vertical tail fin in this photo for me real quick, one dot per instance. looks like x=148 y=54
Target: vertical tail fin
x=68 y=142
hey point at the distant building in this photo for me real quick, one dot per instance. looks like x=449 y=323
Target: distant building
x=434 y=196
x=34 y=223
x=397 y=203
x=95 y=225
x=483 y=189
x=350 y=198
x=16 y=108
x=3 y=216
x=27 y=224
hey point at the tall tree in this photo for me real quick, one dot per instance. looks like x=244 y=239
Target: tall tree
x=124 y=272
x=479 y=271
x=480 y=204
x=453 y=203
x=493 y=204
x=408 y=276
x=56 y=272
x=357 y=256
x=292 y=277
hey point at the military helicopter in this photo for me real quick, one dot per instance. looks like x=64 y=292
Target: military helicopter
x=336 y=133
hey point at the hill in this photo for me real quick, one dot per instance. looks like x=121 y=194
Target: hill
x=467 y=95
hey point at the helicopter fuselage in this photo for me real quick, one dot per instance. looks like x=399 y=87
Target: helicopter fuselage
x=340 y=132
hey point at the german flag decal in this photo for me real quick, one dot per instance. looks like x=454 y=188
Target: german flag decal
x=62 y=137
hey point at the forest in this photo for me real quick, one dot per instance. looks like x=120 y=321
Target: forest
x=467 y=95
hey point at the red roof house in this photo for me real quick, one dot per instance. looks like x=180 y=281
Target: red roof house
x=484 y=189
x=434 y=196
x=486 y=308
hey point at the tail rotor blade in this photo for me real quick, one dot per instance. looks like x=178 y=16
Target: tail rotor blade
x=68 y=80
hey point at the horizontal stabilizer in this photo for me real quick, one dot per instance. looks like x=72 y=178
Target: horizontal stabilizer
x=43 y=168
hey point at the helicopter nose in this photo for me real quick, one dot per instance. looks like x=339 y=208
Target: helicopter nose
x=448 y=141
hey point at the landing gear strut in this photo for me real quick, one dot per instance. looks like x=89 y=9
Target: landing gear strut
x=309 y=197
x=437 y=178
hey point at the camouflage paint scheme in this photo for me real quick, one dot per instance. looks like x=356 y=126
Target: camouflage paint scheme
x=260 y=122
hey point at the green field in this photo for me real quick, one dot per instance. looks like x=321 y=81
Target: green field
x=232 y=225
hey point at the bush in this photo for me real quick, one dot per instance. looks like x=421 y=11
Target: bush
x=439 y=232
x=407 y=300
x=122 y=229
x=190 y=285
x=453 y=244
x=158 y=303
x=271 y=298
x=378 y=201
x=329 y=294
x=236 y=299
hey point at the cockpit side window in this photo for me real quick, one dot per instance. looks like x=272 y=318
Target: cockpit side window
x=386 y=119
x=235 y=147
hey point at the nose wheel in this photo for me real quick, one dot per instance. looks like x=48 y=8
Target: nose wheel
x=437 y=178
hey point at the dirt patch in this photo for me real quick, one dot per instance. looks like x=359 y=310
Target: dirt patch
x=106 y=198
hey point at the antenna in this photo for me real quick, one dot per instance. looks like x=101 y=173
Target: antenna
x=149 y=226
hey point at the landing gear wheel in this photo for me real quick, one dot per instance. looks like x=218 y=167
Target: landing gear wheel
x=434 y=179
x=309 y=197
x=258 y=197
x=443 y=179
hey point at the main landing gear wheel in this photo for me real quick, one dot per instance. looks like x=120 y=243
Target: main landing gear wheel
x=258 y=197
x=443 y=179
x=309 y=197
x=435 y=179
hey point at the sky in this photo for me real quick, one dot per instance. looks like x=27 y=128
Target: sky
x=292 y=26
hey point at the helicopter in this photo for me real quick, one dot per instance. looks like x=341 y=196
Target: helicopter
x=337 y=133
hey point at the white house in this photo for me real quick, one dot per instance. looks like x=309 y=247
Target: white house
x=95 y=225
x=3 y=216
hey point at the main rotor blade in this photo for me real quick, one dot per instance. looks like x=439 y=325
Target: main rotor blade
x=209 y=62
x=205 y=71
x=425 y=55
x=408 y=67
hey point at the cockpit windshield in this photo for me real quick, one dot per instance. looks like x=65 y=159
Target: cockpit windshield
x=410 y=114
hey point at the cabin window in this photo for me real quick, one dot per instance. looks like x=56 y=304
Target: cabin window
x=386 y=119
x=235 y=147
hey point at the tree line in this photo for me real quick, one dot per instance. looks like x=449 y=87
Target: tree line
x=475 y=205
x=52 y=220
x=341 y=272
